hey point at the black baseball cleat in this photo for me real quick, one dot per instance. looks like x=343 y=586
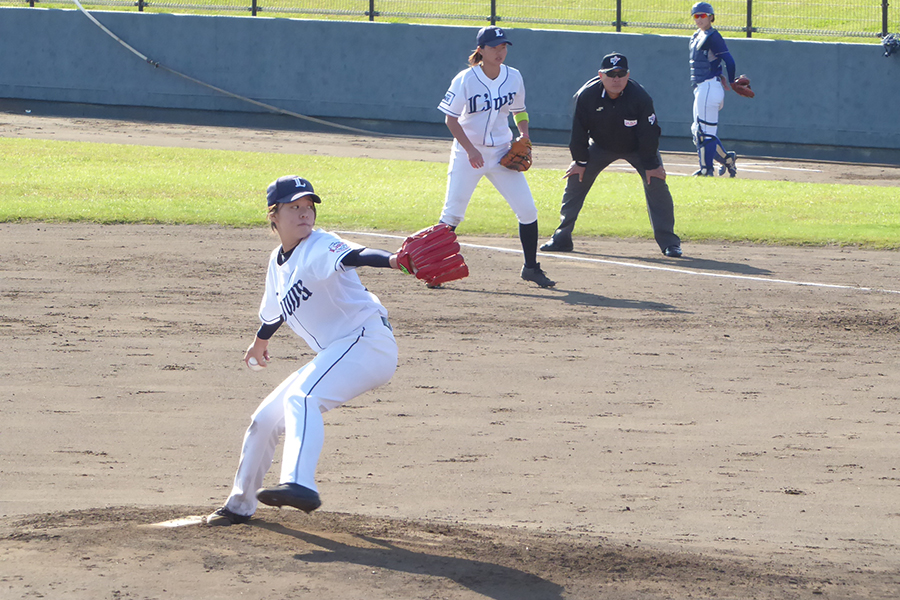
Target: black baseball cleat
x=730 y=165
x=537 y=275
x=673 y=251
x=555 y=245
x=290 y=494
x=223 y=516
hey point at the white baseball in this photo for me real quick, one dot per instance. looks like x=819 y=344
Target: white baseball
x=253 y=364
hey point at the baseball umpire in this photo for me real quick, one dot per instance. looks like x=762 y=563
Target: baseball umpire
x=614 y=119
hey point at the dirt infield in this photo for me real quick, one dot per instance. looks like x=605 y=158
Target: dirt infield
x=721 y=426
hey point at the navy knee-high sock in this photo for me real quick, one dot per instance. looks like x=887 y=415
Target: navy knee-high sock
x=528 y=235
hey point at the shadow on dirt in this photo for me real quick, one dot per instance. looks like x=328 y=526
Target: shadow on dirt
x=487 y=579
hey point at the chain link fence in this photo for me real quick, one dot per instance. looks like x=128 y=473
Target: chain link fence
x=761 y=18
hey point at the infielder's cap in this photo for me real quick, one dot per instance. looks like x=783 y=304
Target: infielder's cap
x=491 y=36
x=702 y=7
x=613 y=61
x=289 y=188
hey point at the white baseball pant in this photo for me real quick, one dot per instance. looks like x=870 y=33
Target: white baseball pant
x=347 y=368
x=709 y=98
x=462 y=179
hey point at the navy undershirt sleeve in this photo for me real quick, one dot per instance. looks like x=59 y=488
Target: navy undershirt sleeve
x=367 y=257
x=268 y=330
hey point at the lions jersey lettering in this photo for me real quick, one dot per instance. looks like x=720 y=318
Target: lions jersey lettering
x=338 y=247
x=482 y=102
x=292 y=299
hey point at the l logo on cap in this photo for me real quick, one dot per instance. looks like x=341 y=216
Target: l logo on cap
x=299 y=182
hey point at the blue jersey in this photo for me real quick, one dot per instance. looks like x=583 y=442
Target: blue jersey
x=708 y=51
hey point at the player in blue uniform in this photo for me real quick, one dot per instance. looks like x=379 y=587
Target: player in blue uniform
x=708 y=53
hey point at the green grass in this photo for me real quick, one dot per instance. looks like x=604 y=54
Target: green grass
x=110 y=183
x=775 y=19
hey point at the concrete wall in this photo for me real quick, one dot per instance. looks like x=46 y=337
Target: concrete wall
x=839 y=100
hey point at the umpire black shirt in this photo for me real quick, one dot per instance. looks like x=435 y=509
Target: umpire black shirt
x=622 y=125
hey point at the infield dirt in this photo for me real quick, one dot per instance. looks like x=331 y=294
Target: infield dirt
x=720 y=426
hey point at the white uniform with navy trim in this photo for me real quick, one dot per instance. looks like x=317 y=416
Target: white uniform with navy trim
x=483 y=106
x=319 y=298
x=327 y=305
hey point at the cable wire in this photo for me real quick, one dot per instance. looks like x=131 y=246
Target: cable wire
x=158 y=65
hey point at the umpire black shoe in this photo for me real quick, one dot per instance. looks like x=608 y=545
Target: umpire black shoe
x=290 y=494
x=673 y=251
x=555 y=245
x=223 y=516
x=537 y=275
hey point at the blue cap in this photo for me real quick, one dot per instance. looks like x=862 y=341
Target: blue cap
x=702 y=7
x=491 y=36
x=289 y=188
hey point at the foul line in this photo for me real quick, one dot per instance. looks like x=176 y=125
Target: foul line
x=620 y=263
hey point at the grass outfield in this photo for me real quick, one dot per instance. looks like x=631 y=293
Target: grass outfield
x=800 y=21
x=110 y=183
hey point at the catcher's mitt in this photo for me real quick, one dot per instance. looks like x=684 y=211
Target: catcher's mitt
x=432 y=254
x=519 y=156
x=741 y=85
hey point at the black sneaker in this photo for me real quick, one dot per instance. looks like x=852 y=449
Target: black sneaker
x=673 y=251
x=223 y=516
x=537 y=275
x=555 y=245
x=290 y=494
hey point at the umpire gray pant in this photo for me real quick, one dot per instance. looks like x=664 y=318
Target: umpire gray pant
x=660 y=207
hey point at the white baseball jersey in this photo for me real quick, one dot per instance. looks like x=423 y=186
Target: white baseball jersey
x=317 y=296
x=483 y=105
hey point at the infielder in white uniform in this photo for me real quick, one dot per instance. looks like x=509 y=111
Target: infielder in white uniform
x=313 y=287
x=477 y=108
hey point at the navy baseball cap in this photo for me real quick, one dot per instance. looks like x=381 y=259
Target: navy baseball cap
x=491 y=36
x=289 y=188
x=613 y=61
x=702 y=7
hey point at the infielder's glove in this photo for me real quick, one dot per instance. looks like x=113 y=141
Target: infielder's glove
x=432 y=255
x=741 y=85
x=519 y=156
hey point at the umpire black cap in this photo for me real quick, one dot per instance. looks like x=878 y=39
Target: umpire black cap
x=289 y=188
x=612 y=61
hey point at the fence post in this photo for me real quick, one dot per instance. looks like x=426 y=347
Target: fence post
x=749 y=18
x=884 y=18
x=493 y=12
x=140 y=5
x=371 y=10
x=253 y=9
x=618 y=15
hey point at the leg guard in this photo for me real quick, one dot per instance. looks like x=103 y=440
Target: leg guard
x=706 y=151
x=726 y=158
